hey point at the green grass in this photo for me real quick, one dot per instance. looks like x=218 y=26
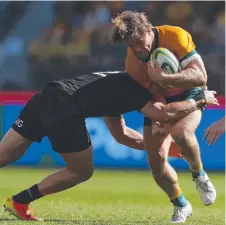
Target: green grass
x=110 y=197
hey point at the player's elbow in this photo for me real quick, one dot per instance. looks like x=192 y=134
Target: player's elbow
x=202 y=80
x=120 y=137
x=199 y=77
x=199 y=80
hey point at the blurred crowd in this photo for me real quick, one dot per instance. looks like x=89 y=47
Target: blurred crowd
x=76 y=42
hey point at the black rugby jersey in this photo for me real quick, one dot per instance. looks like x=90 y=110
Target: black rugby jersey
x=105 y=93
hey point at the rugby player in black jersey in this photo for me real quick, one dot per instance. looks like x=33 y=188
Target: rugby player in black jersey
x=59 y=111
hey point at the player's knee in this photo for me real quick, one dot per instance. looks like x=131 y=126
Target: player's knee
x=86 y=175
x=158 y=171
x=158 y=166
x=81 y=175
x=157 y=162
x=3 y=163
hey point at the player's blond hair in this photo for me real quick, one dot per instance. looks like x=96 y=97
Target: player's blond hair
x=128 y=23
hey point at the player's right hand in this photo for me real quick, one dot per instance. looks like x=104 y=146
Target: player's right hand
x=210 y=97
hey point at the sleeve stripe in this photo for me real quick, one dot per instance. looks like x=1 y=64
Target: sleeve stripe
x=188 y=55
x=186 y=61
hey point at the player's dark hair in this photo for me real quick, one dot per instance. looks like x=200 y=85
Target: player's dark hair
x=128 y=23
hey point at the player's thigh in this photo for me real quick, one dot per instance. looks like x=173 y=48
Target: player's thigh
x=25 y=130
x=187 y=125
x=73 y=143
x=12 y=146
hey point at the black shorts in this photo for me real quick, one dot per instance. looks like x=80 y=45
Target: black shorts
x=188 y=94
x=53 y=113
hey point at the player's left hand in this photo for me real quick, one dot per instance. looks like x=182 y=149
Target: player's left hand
x=213 y=132
x=156 y=73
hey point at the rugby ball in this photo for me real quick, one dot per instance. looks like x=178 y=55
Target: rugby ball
x=166 y=60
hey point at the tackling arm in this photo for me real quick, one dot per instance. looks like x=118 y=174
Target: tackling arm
x=123 y=134
x=177 y=110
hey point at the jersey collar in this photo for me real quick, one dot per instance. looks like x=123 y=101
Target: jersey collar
x=155 y=43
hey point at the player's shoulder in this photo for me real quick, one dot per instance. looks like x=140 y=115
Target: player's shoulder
x=174 y=31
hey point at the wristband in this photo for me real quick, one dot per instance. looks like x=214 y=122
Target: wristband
x=193 y=102
x=200 y=95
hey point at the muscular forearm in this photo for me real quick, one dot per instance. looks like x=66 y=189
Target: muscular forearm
x=170 y=112
x=132 y=139
x=187 y=78
x=177 y=110
x=123 y=134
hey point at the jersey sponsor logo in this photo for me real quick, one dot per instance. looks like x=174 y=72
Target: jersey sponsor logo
x=19 y=122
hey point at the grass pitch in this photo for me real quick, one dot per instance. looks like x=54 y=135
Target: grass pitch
x=111 y=197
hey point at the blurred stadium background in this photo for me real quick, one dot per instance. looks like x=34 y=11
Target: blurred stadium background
x=42 y=41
